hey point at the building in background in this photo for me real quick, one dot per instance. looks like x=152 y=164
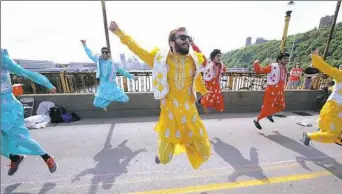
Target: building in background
x=123 y=61
x=248 y=41
x=260 y=40
x=326 y=21
x=82 y=66
x=36 y=65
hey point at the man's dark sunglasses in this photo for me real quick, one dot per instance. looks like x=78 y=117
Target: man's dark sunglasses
x=183 y=37
x=105 y=52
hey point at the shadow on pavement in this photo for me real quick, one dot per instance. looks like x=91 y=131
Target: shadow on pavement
x=10 y=188
x=46 y=187
x=242 y=166
x=110 y=163
x=307 y=154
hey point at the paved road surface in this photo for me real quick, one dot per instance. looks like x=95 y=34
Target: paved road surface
x=117 y=156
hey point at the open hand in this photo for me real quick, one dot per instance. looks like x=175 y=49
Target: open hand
x=256 y=62
x=53 y=90
x=113 y=26
x=316 y=51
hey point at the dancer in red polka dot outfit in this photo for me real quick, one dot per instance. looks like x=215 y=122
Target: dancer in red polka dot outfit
x=212 y=77
x=274 y=98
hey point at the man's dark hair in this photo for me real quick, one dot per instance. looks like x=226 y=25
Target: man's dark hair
x=105 y=48
x=214 y=53
x=172 y=35
x=282 y=55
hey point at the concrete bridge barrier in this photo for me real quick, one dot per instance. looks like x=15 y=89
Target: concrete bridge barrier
x=143 y=103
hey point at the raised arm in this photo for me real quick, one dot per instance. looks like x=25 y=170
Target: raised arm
x=147 y=57
x=88 y=51
x=196 y=49
x=259 y=69
x=125 y=73
x=324 y=67
x=9 y=64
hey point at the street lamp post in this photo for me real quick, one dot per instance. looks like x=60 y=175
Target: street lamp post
x=286 y=26
x=105 y=23
x=293 y=43
x=332 y=30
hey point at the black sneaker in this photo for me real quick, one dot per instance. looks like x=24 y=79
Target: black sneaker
x=15 y=165
x=52 y=164
x=156 y=160
x=257 y=124
x=339 y=141
x=306 y=139
x=270 y=118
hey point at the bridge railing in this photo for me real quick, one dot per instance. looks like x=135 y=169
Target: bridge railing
x=86 y=82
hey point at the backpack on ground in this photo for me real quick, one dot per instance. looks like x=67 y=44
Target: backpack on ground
x=56 y=114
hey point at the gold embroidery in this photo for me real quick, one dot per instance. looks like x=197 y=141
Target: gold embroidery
x=180 y=72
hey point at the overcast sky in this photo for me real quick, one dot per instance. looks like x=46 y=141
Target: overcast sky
x=52 y=30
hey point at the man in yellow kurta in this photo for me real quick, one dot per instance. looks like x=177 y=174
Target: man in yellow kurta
x=176 y=79
x=330 y=119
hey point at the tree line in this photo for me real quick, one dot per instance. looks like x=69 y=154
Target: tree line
x=304 y=44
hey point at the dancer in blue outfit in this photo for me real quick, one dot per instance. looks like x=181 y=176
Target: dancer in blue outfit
x=108 y=91
x=15 y=137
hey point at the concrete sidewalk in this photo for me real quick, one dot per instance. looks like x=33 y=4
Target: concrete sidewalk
x=117 y=156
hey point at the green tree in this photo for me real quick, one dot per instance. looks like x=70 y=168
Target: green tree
x=304 y=45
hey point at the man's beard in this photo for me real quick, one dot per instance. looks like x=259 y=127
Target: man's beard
x=105 y=58
x=181 y=50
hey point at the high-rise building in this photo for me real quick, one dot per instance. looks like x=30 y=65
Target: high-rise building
x=136 y=65
x=260 y=41
x=248 y=41
x=326 y=21
x=123 y=61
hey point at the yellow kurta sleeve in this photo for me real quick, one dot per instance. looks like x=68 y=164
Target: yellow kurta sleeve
x=147 y=57
x=200 y=87
x=318 y=63
x=199 y=83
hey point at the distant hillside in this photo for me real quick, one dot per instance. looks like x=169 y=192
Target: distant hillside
x=304 y=45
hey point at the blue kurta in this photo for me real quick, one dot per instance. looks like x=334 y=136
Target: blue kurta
x=15 y=137
x=108 y=90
